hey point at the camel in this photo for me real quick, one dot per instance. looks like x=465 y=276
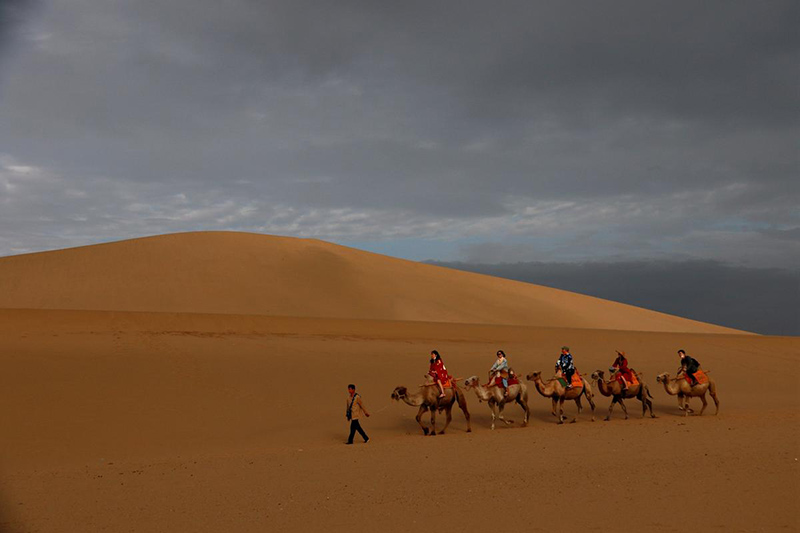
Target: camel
x=497 y=400
x=553 y=389
x=678 y=386
x=427 y=399
x=613 y=388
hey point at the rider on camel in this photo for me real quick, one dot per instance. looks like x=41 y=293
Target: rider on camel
x=566 y=365
x=690 y=365
x=500 y=370
x=624 y=374
x=438 y=372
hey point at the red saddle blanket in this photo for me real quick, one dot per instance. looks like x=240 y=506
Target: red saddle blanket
x=632 y=381
x=511 y=381
x=700 y=376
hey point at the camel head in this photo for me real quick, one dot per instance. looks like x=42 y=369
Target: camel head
x=471 y=382
x=598 y=375
x=533 y=376
x=399 y=392
x=662 y=378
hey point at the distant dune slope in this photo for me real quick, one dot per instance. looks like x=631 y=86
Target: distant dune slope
x=244 y=273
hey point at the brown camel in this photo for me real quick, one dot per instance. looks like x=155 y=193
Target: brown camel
x=553 y=389
x=427 y=399
x=679 y=387
x=613 y=388
x=497 y=400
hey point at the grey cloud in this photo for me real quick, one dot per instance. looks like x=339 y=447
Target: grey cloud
x=665 y=128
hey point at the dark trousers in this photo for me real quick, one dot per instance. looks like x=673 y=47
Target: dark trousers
x=690 y=370
x=568 y=375
x=355 y=426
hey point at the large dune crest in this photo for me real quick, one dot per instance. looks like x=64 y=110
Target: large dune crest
x=252 y=274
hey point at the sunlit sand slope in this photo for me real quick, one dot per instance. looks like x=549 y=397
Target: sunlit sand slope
x=243 y=273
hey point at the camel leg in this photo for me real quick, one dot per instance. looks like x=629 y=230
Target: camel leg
x=527 y=410
x=705 y=404
x=500 y=414
x=580 y=408
x=716 y=402
x=624 y=409
x=561 y=416
x=422 y=409
x=462 y=403
x=683 y=404
x=646 y=396
x=433 y=422
x=591 y=401
x=647 y=404
x=524 y=406
x=493 y=407
x=686 y=408
x=555 y=402
x=611 y=408
x=449 y=416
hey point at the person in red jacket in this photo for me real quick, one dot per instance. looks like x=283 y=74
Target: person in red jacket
x=624 y=374
x=438 y=372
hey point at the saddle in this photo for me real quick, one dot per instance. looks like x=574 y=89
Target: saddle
x=509 y=375
x=577 y=380
x=700 y=376
x=632 y=380
x=512 y=380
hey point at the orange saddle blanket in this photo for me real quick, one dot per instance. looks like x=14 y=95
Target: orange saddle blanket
x=577 y=381
x=634 y=379
x=700 y=376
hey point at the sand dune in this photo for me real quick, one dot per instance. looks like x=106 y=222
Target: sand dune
x=241 y=273
x=196 y=382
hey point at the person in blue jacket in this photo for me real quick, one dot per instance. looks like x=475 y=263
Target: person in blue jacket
x=566 y=365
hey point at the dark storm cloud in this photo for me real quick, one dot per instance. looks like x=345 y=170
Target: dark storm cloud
x=761 y=300
x=624 y=129
x=13 y=15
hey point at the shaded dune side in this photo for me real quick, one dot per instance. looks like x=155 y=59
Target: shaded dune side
x=251 y=274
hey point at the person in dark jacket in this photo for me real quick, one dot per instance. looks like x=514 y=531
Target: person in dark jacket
x=566 y=365
x=690 y=365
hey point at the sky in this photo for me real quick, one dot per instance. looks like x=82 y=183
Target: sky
x=471 y=132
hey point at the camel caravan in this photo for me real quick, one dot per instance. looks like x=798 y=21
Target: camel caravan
x=441 y=392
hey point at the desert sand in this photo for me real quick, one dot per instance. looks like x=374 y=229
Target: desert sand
x=197 y=382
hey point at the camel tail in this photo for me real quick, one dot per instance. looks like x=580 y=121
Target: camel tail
x=647 y=390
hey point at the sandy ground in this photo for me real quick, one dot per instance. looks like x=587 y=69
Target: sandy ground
x=178 y=422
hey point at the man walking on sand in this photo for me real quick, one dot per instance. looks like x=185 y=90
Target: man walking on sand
x=354 y=411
